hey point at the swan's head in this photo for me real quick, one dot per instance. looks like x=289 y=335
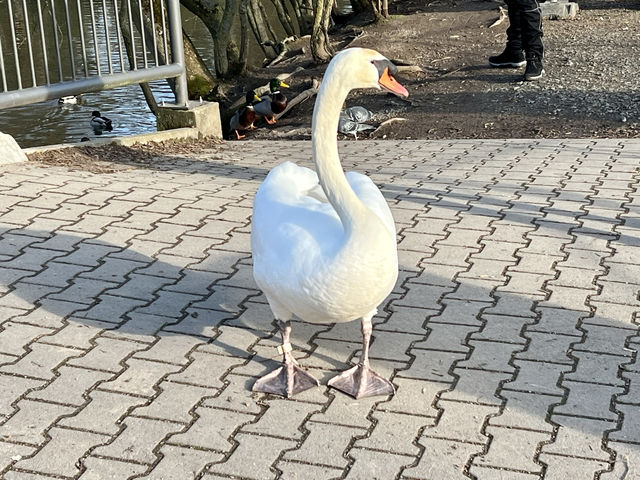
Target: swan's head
x=366 y=68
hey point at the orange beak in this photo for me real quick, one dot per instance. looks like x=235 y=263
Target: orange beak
x=391 y=84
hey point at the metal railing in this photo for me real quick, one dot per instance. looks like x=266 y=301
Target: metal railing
x=56 y=48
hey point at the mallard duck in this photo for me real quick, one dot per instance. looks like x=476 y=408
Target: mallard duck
x=244 y=117
x=99 y=123
x=324 y=244
x=273 y=103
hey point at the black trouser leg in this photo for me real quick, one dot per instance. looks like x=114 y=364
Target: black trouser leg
x=514 y=32
x=525 y=27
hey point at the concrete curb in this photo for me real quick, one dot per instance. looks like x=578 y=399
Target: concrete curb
x=175 y=134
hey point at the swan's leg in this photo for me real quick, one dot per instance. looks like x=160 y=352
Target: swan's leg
x=288 y=379
x=360 y=381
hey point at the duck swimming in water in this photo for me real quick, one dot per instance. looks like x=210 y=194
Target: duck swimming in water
x=99 y=123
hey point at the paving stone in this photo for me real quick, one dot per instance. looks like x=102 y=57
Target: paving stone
x=512 y=449
x=476 y=386
x=302 y=471
x=107 y=355
x=548 y=347
x=627 y=461
x=525 y=409
x=41 y=361
x=59 y=456
x=111 y=469
x=538 y=377
x=558 y=321
x=431 y=365
x=325 y=444
x=442 y=459
x=170 y=348
x=490 y=473
x=602 y=339
x=589 y=400
x=140 y=377
x=70 y=386
x=344 y=410
x=103 y=413
x=579 y=437
x=181 y=463
x=415 y=396
x=212 y=429
x=12 y=452
x=395 y=433
x=450 y=426
x=561 y=467
x=237 y=396
x=630 y=431
x=27 y=425
x=174 y=402
x=375 y=465
x=243 y=464
x=15 y=336
x=488 y=355
x=501 y=328
x=283 y=418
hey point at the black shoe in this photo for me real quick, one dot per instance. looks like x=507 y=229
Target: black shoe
x=508 y=59
x=534 y=69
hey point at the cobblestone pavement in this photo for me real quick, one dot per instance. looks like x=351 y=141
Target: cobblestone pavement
x=131 y=329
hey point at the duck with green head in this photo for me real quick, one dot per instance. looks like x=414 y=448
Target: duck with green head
x=244 y=117
x=273 y=103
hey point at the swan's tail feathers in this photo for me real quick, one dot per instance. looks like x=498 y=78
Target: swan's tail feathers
x=361 y=382
x=287 y=381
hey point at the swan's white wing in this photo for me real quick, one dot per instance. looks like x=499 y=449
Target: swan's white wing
x=293 y=229
x=371 y=196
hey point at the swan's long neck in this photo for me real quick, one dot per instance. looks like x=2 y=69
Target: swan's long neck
x=331 y=97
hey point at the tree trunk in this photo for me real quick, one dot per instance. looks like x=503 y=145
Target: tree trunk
x=218 y=17
x=260 y=28
x=284 y=17
x=321 y=49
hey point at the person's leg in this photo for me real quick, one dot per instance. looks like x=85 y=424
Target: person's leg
x=513 y=55
x=531 y=26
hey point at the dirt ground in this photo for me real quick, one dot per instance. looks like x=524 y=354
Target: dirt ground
x=590 y=89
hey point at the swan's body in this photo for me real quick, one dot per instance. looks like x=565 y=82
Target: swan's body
x=324 y=245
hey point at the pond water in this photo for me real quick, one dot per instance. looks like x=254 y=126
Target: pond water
x=48 y=123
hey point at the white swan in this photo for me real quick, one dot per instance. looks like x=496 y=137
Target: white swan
x=324 y=246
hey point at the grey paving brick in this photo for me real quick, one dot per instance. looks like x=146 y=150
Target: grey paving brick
x=525 y=409
x=395 y=433
x=302 y=471
x=140 y=377
x=41 y=361
x=325 y=444
x=488 y=355
x=283 y=418
x=27 y=425
x=107 y=355
x=59 y=456
x=174 y=402
x=431 y=365
x=450 y=427
x=375 y=465
x=561 y=467
x=12 y=452
x=103 y=413
x=512 y=449
x=259 y=467
x=478 y=386
x=102 y=468
x=181 y=463
x=445 y=459
x=630 y=431
x=626 y=461
x=14 y=337
x=70 y=386
x=579 y=437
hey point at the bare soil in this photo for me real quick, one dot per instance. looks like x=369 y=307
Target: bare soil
x=590 y=89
